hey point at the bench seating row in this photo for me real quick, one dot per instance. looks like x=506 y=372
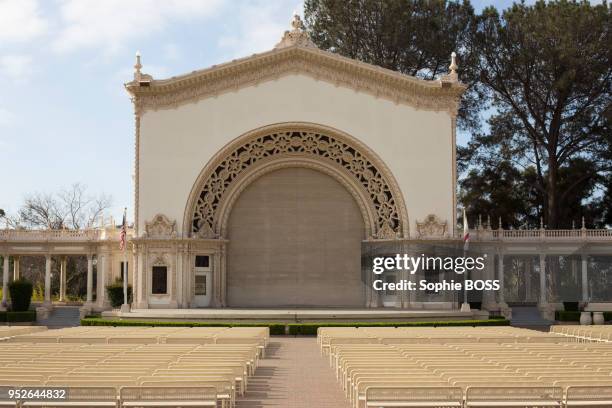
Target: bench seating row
x=136 y=368
x=584 y=333
x=459 y=369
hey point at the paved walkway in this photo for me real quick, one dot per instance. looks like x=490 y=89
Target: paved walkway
x=62 y=316
x=293 y=375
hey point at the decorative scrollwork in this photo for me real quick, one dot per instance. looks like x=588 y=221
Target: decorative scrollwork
x=432 y=227
x=306 y=144
x=160 y=227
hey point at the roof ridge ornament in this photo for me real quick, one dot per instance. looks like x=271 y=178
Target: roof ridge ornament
x=296 y=37
x=139 y=77
x=452 y=75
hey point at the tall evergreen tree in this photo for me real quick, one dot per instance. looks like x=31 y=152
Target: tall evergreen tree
x=548 y=73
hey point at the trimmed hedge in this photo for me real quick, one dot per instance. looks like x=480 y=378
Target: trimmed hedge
x=310 y=329
x=22 y=316
x=564 y=316
x=295 y=329
x=21 y=295
x=275 y=328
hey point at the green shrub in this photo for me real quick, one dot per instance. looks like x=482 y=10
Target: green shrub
x=310 y=329
x=11 y=317
x=565 y=316
x=278 y=329
x=275 y=328
x=39 y=293
x=115 y=293
x=571 y=306
x=21 y=295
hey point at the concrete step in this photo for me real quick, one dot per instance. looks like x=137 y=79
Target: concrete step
x=63 y=316
x=528 y=316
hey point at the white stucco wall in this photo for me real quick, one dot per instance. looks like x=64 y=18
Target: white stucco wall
x=176 y=144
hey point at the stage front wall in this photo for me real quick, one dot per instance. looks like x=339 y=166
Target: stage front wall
x=295 y=240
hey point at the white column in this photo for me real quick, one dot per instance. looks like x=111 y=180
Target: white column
x=5 y=273
x=89 y=278
x=16 y=274
x=62 y=296
x=585 y=278
x=527 y=265
x=100 y=286
x=47 y=301
x=542 y=300
x=488 y=296
x=179 y=277
x=500 y=276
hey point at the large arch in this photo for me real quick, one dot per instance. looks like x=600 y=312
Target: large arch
x=294 y=240
x=303 y=144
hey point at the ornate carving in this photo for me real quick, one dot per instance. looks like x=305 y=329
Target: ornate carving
x=431 y=227
x=204 y=230
x=297 y=36
x=311 y=144
x=310 y=61
x=160 y=260
x=160 y=227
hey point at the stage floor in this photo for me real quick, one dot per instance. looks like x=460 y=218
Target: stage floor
x=296 y=315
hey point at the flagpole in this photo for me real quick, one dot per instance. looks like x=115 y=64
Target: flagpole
x=465 y=306
x=125 y=307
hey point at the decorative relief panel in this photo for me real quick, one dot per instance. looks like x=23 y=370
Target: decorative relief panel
x=160 y=227
x=306 y=144
x=431 y=227
x=160 y=260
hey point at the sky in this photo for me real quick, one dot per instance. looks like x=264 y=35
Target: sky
x=64 y=114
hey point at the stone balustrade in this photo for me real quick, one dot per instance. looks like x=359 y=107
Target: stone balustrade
x=480 y=234
x=84 y=235
x=582 y=234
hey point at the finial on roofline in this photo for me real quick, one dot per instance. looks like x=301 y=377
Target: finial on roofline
x=139 y=77
x=298 y=36
x=452 y=75
x=137 y=67
x=453 y=66
x=297 y=22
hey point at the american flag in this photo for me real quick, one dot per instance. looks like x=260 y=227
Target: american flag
x=466 y=232
x=123 y=233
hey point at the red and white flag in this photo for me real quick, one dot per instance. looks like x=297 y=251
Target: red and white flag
x=466 y=232
x=123 y=233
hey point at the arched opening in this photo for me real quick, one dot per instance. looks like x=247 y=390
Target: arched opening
x=295 y=240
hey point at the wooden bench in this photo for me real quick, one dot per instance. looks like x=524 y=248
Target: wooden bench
x=421 y=397
x=80 y=397
x=520 y=397
x=179 y=396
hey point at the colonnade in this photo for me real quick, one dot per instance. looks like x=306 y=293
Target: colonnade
x=47 y=302
x=543 y=302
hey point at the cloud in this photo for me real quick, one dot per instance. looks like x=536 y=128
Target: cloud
x=109 y=24
x=6 y=117
x=20 y=20
x=16 y=67
x=259 y=25
x=171 y=52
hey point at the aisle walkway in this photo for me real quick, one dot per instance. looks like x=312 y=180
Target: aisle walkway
x=293 y=375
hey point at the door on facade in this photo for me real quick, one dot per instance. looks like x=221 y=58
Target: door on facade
x=203 y=281
x=390 y=298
